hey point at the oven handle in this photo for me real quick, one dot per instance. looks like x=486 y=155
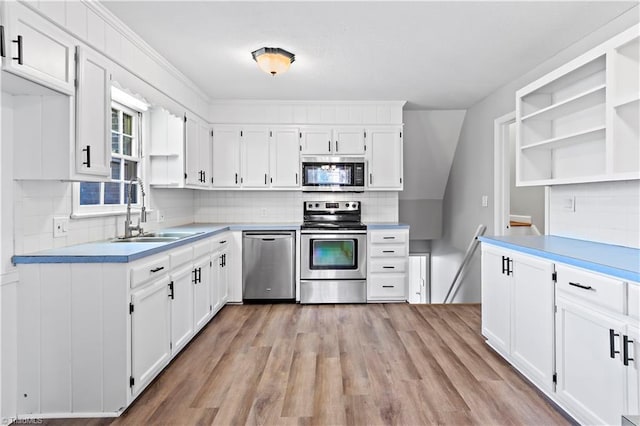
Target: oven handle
x=332 y=232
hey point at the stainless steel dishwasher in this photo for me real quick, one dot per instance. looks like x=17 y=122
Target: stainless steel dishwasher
x=268 y=260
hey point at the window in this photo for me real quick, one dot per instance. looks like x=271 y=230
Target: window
x=112 y=197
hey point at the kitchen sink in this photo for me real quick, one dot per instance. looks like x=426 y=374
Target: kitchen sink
x=156 y=237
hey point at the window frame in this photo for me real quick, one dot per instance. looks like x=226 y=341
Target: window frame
x=96 y=210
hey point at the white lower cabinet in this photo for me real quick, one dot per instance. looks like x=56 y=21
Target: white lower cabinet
x=387 y=265
x=150 y=332
x=517 y=311
x=202 y=294
x=181 y=295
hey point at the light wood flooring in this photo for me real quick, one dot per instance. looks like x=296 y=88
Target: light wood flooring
x=375 y=364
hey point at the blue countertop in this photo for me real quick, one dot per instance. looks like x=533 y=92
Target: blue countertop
x=108 y=252
x=386 y=225
x=617 y=261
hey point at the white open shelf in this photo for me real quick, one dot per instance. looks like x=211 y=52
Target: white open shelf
x=626 y=99
x=586 y=99
x=596 y=133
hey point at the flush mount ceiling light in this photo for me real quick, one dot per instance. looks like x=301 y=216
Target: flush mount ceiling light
x=273 y=59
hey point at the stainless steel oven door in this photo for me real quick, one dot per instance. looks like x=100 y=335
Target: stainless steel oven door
x=333 y=255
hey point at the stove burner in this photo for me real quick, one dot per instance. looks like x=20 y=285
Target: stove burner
x=329 y=215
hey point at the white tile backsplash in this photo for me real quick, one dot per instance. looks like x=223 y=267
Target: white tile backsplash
x=285 y=206
x=606 y=212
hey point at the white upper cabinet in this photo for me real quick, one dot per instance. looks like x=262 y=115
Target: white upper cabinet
x=348 y=141
x=580 y=123
x=198 y=152
x=93 y=114
x=226 y=157
x=255 y=157
x=384 y=155
x=284 y=163
x=316 y=141
x=38 y=50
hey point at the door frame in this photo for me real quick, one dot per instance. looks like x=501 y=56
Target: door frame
x=501 y=185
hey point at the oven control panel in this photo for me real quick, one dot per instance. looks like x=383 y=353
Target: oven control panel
x=333 y=206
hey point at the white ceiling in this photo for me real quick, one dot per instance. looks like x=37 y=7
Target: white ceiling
x=435 y=55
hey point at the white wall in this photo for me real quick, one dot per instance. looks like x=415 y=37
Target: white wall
x=285 y=206
x=607 y=212
x=472 y=170
x=430 y=139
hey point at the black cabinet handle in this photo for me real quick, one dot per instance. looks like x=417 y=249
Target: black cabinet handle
x=388 y=251
x=336 y=146
x=88 y=151
x=265 y=178
x=370 y=179
x=390 y=286
x=159 y=268
x=625 y=350
x=221 y=261
x=236 y=178
x=329 y=146
x=584 y=287
x=388 y=267
x=296 y=178
x=3 y=53
x=19 y=57
x=195 y=276
x=509 y=266
x=204 y=176
x=171 y=295
x=224 y=260
x=223 y=241
x=199 y=275
x=388 y=238
x=612 y=343
x=504 y=269
x=268 y=239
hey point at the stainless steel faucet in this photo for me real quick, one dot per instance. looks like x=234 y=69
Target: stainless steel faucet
x=128 y=228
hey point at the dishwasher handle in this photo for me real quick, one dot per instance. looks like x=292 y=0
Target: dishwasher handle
x=267 y=237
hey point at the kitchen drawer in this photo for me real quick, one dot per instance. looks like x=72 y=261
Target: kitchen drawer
x=634 y=300
x=388 y=250
x=181 y=255
x=221 y=241
x=149 y=268
x=388 y=237
x=202 y=248
x=386 y=286
x=600 y=290
x=389 y=265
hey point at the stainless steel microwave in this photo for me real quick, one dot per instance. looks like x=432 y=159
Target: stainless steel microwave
x=333 y=174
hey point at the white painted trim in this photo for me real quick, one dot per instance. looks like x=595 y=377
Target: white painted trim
x=397 y=103
x=134 y=38
x=501 y=210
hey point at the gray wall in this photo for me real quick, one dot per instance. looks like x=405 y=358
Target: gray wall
x=472 y=169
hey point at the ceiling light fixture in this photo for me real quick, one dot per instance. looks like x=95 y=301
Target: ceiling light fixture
x=273 y=60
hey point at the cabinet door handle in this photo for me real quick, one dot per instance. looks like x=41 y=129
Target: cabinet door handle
x=224 y=261
x=222 y=242
x=19 y=57
x=392 y=286
x=584 y=287
x=88 y=151
x=159 y=268
x=388 y=267
x=204 y=176
x=336 y=146
x=625 y=350
x=509 y=266
x=265 y=178
x=296 y=178
x=388 y=238
x=612 y=343
x=504 y=268
x=370 y=179
x=199 y=275
x=329 y=146
x=388 y=251
x=3 y=53
x=171 y=295
x=236 y=178
x=195 y=276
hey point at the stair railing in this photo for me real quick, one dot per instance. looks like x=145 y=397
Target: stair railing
x=467 y=258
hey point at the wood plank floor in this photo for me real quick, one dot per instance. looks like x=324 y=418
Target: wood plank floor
x=375 y=364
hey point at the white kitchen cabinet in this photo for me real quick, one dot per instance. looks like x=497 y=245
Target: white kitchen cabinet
x=226 y=157
x=419 y=278
x=580 y=122
x=150 y=332
x=349 y=141
x=166 y=149
x=284 y=154
x=181 y=295
x=38 y=50
x=517 y=311
x=387 y=277
x=316 y=141
x=632 y=355
x=384 y=156
x=222 y=276
x=202 y=297
x=255 y=157
x=197 y=152
x=93 y=114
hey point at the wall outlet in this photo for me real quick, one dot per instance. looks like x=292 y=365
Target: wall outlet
x=485 y=201
x=569 y=204
x=159 y=216
x=60 y=226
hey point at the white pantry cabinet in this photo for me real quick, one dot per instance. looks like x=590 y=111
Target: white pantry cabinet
x=580 y=123
x=198 y=153
x=384 y=157
x=517 y=311
x=38 y=50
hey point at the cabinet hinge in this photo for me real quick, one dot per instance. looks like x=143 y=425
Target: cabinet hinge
x=185 y=175
x=130 y=308
x=365 y=147
x=555 y=378
x=300 y=135
x=211 y=181
x=75 y=83
x=555 y=309
x=132 y=381
x=554 y=277
x=400 y=180
x=300 y=147
x=210 y=262
x=170 y=345
x=210 y=308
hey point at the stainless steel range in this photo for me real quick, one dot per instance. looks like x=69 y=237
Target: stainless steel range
x=333 y=253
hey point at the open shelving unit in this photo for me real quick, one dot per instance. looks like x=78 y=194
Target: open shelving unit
x=579 y=123
x=166 y=155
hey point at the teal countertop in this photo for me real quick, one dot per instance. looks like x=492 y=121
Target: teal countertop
x=108 y=252
x=617 y=261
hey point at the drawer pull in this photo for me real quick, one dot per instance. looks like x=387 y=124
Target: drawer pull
x=171 y=290
x=625 y=350
x=389 y=267
x=388 y=251
x=390 y=286
x=159 y=268
x=223 y=241
x=584 y=287
x=388 y=238
x=612 y=343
